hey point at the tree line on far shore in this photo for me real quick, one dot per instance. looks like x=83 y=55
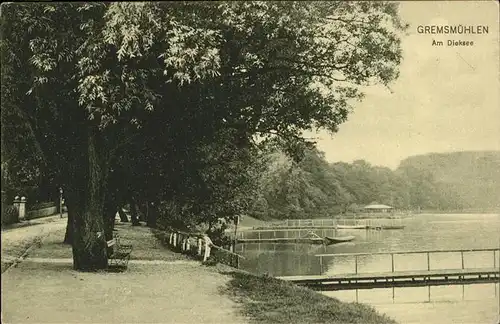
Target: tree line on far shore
x=314 y=188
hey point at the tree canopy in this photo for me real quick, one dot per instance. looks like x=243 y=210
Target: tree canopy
x=175 y=97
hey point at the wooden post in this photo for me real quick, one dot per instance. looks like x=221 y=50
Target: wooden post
x=428 y=262
x=320 y=265
x=392 y=261
x=259 y=235
x=462 y=254
x=207 y=250
x=175 y=239
x=200 y=241
x=356 y=264
x=495 y=260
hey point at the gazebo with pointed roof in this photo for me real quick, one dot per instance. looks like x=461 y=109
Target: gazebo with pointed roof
x=378 y=208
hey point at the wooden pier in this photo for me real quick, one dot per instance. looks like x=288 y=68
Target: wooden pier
x=333 y=223
x=282 y=240
x=397 y=279
x=405 y=278
x=309 y=238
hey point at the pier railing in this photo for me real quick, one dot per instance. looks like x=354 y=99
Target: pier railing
x=201 y=246
x=368 y=222
x=428 y=253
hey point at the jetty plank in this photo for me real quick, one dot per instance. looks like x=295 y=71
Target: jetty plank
x=391 y=275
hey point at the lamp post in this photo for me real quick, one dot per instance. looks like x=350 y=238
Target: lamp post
x=60 y=202
x=236 y=221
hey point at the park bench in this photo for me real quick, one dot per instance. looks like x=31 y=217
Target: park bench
x=120 y=253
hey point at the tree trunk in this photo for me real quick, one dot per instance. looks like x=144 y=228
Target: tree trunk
x=86 y=201
x=68 y=237
x=123 y=216
x=133 y=213
x=145 y=214
x=152 y=215
x=109 y=213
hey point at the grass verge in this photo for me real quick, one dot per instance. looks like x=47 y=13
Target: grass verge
x=270 y=300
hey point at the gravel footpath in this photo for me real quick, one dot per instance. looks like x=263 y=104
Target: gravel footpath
x=45 y=289
x=16 y=241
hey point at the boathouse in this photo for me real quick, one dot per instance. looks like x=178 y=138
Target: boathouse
x=378 y=208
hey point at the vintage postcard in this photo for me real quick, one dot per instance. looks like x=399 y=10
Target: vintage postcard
x=250 y=162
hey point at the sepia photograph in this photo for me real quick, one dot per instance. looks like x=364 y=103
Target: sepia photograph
x=250 y=162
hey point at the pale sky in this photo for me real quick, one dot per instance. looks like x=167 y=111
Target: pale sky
x=440 y=103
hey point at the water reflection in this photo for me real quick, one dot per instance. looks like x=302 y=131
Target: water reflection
x=422 y=232
x=476 y=303
x=447 y=294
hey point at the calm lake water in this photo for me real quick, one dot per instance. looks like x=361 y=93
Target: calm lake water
x=471 y=304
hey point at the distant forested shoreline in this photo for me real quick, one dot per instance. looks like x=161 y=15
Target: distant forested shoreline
x=460 y=182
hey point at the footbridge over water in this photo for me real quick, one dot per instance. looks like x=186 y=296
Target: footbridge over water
x=429 y=276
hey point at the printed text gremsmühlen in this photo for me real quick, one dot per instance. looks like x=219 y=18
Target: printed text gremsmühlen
x=455 y=29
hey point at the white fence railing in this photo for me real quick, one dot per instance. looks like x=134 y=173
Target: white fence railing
x=333 y=222
x=201 y=246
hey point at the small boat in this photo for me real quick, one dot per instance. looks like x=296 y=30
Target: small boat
x=387 y=227
x=317 y=241
x=313 y=238
x=338 y=239
x=352 y=226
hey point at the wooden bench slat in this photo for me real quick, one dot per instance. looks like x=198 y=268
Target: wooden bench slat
x=120 y=254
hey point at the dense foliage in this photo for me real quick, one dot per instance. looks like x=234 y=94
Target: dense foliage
x=314 y=188
x=471 y=178
x=161 y=103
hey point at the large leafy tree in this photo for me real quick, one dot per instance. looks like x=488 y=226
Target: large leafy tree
x=89 y=77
